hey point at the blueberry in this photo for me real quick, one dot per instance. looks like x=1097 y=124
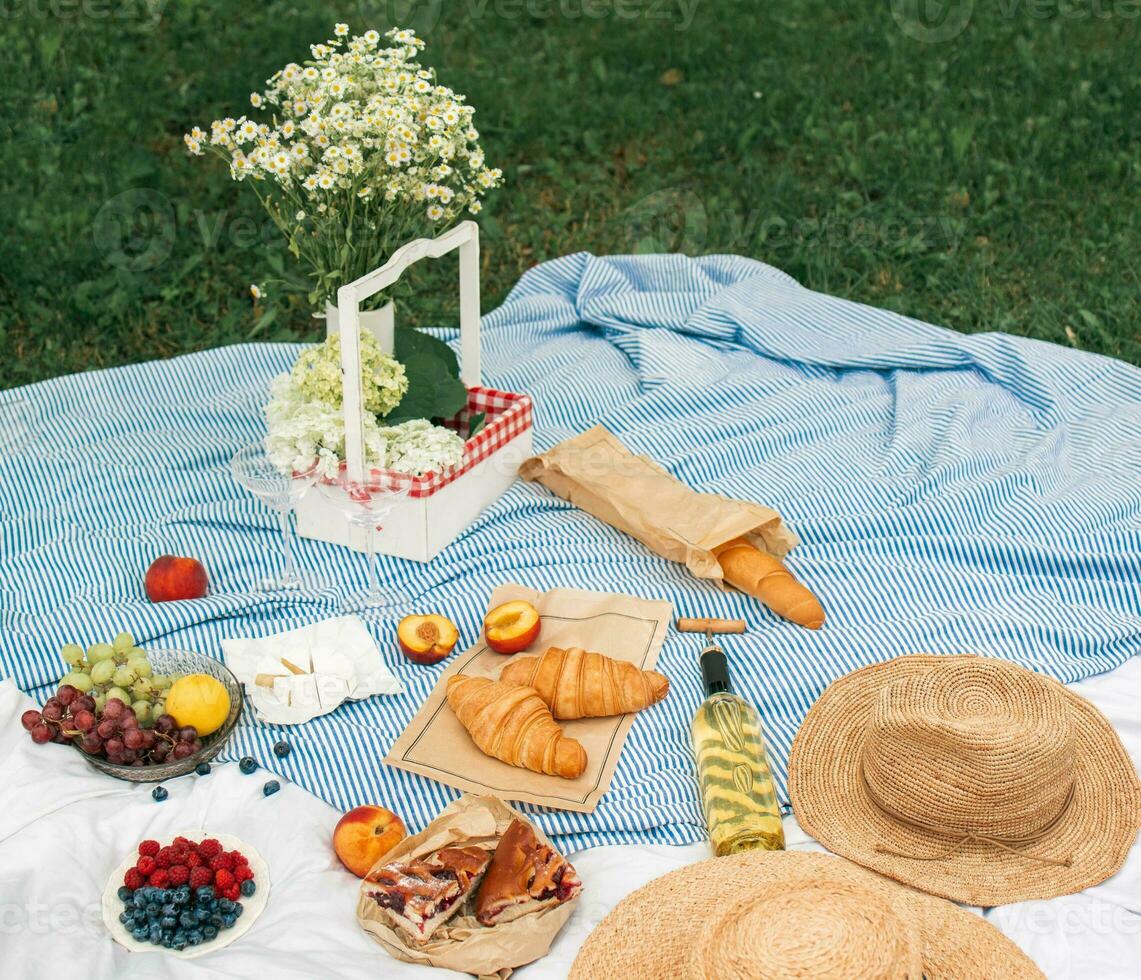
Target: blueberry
x=179 y=943
x=203 y=915
x=169 y=908
x=238 y=910
x=247 y=765
x=155 y=934
x=153 y=908
x=210 y=931
x=248 y=887
x=139 y=900
x=124 y=917
x=124 y=893
x=229 y=919
x=203 y=769
x=204 y=891
x=188 y=920
x=271 y=787
x=168 y=941
x=225 y=905
x=194 y=937
x=281 y=750
x=159 y=793
x=216 y=920
x=181 y=895
x=168 y=922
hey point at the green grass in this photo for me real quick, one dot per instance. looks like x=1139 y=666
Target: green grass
x=987 y=182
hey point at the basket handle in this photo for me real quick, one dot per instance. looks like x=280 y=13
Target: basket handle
x=465 y=237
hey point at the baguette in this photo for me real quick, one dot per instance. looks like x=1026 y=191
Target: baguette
x=761 y=575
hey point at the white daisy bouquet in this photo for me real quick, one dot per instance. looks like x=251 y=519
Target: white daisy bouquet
x=362 y=150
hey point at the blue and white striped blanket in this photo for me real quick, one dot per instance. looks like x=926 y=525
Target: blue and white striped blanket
x=953 y=493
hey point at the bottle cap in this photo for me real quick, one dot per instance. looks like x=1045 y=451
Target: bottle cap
x=714 y=670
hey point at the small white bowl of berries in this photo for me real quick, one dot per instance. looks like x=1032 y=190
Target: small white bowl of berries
x=186 y=895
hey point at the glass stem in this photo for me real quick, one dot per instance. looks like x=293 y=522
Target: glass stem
x=288 y=572
x=373 y=577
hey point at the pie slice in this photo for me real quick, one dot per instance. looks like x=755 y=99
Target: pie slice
x=525 y=876
x=417 y=897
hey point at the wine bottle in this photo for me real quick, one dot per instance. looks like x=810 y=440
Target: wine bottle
x=737 y=793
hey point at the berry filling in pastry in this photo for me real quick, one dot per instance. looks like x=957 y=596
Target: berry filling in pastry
x=419 y=896
x=525 y=876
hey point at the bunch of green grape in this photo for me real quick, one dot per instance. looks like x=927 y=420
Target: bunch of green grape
x=118 y=669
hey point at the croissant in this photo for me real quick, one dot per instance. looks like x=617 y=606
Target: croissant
x=512 y=724
x=576 y=684
x=761 y=575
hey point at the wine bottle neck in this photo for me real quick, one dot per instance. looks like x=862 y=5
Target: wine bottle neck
x=714 y=670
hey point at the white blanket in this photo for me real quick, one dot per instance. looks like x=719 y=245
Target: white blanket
x=64 y=827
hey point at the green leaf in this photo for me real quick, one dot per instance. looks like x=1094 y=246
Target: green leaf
x=476 y=423
x=434 y=392
x=410 y=342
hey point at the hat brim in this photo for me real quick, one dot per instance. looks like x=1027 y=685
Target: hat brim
x=651 y=932
x=830 y=803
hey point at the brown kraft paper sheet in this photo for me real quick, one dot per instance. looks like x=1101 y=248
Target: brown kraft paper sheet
x=436 y=745
x=598 y=474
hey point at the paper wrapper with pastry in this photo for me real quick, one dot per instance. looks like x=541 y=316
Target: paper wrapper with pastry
x=715 y=537
x=480 y=890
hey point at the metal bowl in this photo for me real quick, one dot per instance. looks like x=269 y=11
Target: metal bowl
x=181 y=662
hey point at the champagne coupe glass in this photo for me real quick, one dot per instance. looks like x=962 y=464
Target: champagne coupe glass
x=366 y=503
x=280 y=489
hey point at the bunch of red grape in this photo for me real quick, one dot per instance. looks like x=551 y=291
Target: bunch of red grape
x=115 y=733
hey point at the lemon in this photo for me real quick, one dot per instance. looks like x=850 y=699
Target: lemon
x=199 y=700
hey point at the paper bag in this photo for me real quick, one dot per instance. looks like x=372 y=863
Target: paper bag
x=595 y=472
x=463 y=944
x=435 y=744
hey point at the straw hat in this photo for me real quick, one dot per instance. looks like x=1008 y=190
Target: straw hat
x=792 y=914
x=967 y=777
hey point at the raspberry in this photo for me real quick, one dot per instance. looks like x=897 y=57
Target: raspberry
x=160 y=879
x=134 y=879
x=223 y=879
x=209 y=847
x=146 y=865
x=179 y=874
x=149 y=847
x=221 y=862
x=183 y=841
x=233 y=893
x=200 y=877
x=239 y=858
x=242 y=873
x=193 y=860
x=164 y=858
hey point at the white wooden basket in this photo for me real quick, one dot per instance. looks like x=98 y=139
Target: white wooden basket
x=440 y=505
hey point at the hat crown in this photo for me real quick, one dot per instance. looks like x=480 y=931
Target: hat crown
x=987 y=748
x=823 y=928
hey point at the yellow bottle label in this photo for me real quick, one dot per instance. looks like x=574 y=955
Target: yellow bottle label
x=741 y=808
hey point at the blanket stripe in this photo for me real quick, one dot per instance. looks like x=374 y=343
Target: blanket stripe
x=953 y=493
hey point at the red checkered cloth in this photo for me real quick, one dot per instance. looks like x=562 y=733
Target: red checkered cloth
x=507 y=416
